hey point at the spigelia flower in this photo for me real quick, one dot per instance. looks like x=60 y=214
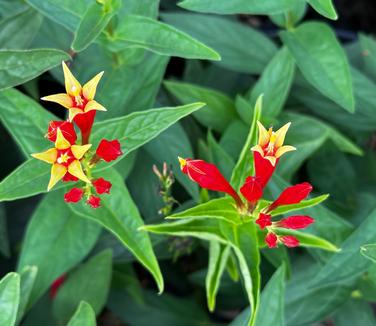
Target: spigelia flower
x=102 y=186
x=268 y=150
x=65 y=158
x=74 y=195
x=66 y=128
x=290 y=196
x=252 y=190
x=94 y=201
x=79 y=101
x=208 y=176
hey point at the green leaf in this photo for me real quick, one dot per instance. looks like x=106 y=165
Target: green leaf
x=28 y=275
x=146 y=33
x=9 y=298
x=309 y=240
x=25 y=120
x=222 y=209
x=275 y=83
x=206 y=229
x=90 y=282
x=19 y=66
x=17 y=31
x=303 y=204
x=290 y=18
x=348 y=263
x=55 y=242
x=119 y=215
x=245 y=245
x=244 y=166
x=355 y=312
x=369 y=251
x=84 y=316
x=218 y=256
x=238 y=6
x=322 y=61
x=132 y=131
x=324 y=8
x=92 y=24
x=271 y=312
x=230 y=38
x=219 y=110
x=368 y=50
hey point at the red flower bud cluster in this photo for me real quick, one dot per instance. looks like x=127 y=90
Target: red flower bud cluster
x=266 y=157
x=72 y=162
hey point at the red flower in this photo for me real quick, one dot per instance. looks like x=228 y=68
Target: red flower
x=271 y=240
x=208 y=176
x=85 y=122
x=289 y=241
x=94 y=201
x=263 y=168
x=251 y=190
x=264 y=220
x=109 y=150
x=56 y=285
x=102 y=186
x=74 y=195
x=66 y=128
x=292 y=195
x=295 y=222
x=69 y=177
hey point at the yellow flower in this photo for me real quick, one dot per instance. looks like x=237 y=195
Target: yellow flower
x=65 y=158
x=77 y=99
x=270 y=143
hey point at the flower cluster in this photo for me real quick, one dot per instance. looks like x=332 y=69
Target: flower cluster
x=266 y=156
x=71 y=161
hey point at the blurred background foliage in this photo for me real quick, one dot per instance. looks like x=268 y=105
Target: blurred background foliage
x=320 y=74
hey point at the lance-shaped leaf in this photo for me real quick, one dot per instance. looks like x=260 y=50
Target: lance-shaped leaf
x=93 y=22
x=220 y=109
x=275 y=83
x=244 y=166
x=222 y=209
x=369 y=251
x=230 y=38
x=218 y=256
x=132 y=131
x=272 y=310
x=84 y=316
x=27 y=126
x=158 y=37
x=17 y=31
x=56 y=242
x=19 y=66
x=322 y=61
x=79 y=286
x=206 y=229
x=9 y=298
x=28 y=276
x=238 y=6
x=120 y=216
x=348 y=263
x=4 y=241
x=324 y=8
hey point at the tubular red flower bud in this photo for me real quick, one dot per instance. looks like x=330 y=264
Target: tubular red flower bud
x=109 y=150
x=251 y=190
x=66 y=128
x=208 y=176
x=85 y=122
x=94 y=201
x=292 y=195
x=290 y=241
x=271 y=240
x=102 y=186
x=295 y=222
x=263 y=168
x=264 y=220
x=68 y=177
x=56 y=285
x=74 y=195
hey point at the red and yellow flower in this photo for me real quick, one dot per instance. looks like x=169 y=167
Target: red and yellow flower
x=65 y=158
x=79 y=101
